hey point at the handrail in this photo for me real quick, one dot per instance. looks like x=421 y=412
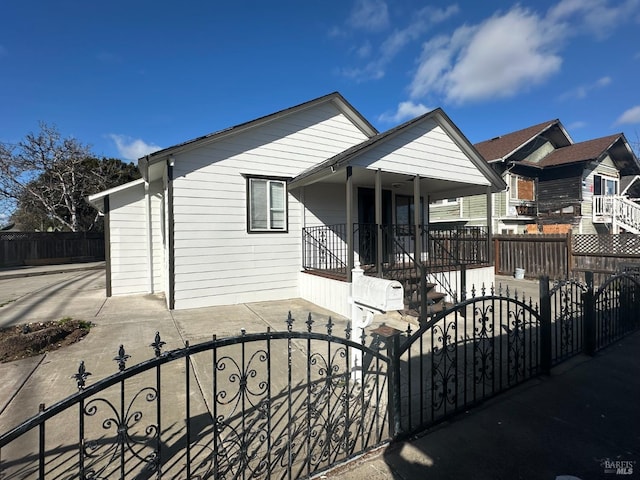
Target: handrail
x=328 y=259
x=616 y=209
x=408 y=263
x=442 y=280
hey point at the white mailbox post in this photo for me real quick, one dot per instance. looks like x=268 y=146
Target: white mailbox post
x=369 y=295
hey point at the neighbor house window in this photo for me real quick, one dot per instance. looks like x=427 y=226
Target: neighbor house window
x=445 y=201
x=605 y=185
x=513 y=187
x=267 y=205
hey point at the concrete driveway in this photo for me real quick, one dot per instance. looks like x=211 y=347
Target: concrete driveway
x=131 y=321
x=76 y=294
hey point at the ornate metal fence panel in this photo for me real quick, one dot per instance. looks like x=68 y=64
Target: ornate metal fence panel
x=616 y=309
x=567 y=319
x=270 y=405
x=464 y=355
x=291 y=404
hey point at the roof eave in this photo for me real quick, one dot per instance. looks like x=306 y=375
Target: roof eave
x=97 y=199
x=336 y=98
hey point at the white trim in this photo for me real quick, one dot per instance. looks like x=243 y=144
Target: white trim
x=119 y=188
x=269 y=209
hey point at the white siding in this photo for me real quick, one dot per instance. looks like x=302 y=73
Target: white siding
x=425 y=150
x=129 y=242
x=325 y=204
x=326 y=293
x=216 y=260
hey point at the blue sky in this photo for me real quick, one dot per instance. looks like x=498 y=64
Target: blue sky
x=131 y=76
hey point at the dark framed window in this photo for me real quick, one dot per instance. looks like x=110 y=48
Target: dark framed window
x=267 y=204
x=603 y=185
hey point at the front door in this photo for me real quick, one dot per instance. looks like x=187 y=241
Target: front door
x=366 y=233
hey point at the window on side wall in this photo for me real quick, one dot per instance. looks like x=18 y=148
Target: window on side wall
x=603 y=185
x=266 y=204
x=513 y=187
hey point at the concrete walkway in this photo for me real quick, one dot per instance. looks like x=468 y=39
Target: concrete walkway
x=581 y=421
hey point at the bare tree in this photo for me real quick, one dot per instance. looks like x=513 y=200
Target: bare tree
x=47 y=177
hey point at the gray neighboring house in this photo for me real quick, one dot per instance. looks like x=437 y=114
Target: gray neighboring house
x=554 y=184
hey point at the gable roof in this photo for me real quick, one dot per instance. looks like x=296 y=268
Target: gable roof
x=630 y=185
x=616 y=146
x=336 y=98
x=441 y=118
x=578 y=152
x=499 y=148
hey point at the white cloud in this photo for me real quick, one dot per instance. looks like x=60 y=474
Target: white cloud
x=489 y=60
x=513 y=51
x=582 y=91
x=395 y=42
x=133 y=148
x=370 y=15
x=596 y=17
x=364 y=50
x=405 y=111
x=631 y=115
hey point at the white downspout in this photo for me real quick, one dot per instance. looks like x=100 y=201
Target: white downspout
x=147 y=205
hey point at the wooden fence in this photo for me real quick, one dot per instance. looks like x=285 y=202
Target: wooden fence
x=35 y=248
x=564 y=256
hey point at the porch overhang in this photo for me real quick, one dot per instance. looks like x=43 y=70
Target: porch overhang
x=429 y=159
x=400 y=183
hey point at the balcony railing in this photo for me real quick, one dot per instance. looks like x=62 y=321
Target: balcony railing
x=616 y=209
x=444 y=254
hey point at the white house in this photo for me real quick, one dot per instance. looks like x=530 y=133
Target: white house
x=276 y=208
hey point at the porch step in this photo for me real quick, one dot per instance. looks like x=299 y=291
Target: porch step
x=410 y=281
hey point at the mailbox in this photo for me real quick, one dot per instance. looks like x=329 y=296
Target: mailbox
x=378 y=293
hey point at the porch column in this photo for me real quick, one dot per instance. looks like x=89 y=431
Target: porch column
x=489 y=225
x=378 y=206
x=349 y=202
x=417 y=219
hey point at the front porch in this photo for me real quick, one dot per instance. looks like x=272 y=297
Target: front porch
x=370 y=205
x=431 y=262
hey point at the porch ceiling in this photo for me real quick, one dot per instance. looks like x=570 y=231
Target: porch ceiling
x=403 y=184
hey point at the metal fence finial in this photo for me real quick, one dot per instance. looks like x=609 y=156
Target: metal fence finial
x=121 y=358
x=330 y=326
x=81 y=376
x=289 y=321
x=157 y=344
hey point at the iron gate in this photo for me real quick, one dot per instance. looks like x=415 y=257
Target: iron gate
x=462 y=356
x=292 y=404
x=270 y=405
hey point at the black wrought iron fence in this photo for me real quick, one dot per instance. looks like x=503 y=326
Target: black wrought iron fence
x=462 y=356
x=325 y=248
x=271 y=405
x=566 y=310
x=292 y=404
x=613 y=310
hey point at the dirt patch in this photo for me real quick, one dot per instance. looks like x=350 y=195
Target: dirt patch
x=26 y=340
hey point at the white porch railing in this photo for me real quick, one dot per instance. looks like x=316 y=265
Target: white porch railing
x=617 y=211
